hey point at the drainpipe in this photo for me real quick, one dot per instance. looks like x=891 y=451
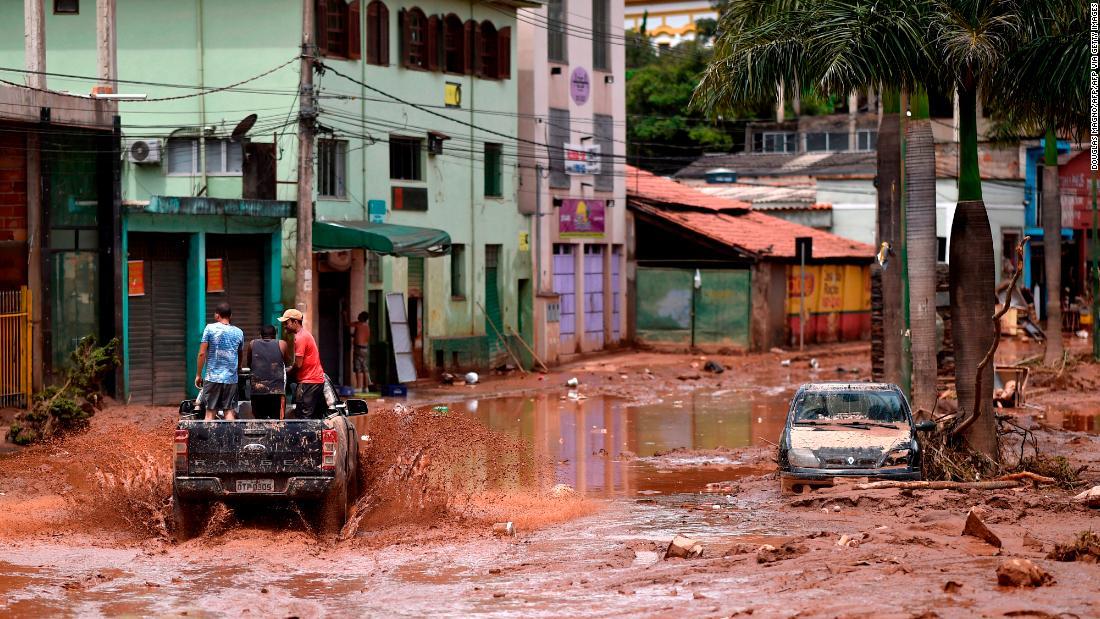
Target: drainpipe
x=473 y=218
x=202 y=98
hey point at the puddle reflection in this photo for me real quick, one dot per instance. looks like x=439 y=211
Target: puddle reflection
x=592 y=440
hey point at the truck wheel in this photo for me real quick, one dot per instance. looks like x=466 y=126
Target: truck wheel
x=332 y=510
x=188 y=517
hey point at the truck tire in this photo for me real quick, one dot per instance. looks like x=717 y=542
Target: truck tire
x=188 y=517
x=332 y=509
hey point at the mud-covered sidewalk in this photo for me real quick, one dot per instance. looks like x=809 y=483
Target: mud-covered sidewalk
x=82 y=529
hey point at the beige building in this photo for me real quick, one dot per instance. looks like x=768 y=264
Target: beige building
x=572 y=134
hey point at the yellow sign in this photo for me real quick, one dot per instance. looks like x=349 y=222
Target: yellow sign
x=452 y=94
x=135 y=270
x=524 y=241
x=215 y=275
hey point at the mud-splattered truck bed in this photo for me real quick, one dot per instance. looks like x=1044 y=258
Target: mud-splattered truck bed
x=313 y=462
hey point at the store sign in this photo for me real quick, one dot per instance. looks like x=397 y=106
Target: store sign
x=215 y=275
x=376 y=211
x=135 y=277
x=580 y=217
x=524 y=241
x=579 y=86
x=581 y=159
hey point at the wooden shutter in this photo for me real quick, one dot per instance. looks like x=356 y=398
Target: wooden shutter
x=320 y=22
x=373 y=33
x=504 y=53
x=469 y=40
x=355 y=40
x=405 y=36
x=433 y=43
x=383 y=35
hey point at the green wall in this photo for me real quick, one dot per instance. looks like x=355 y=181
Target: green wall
x=670 y=309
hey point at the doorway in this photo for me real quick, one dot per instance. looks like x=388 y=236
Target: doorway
x=333 y=337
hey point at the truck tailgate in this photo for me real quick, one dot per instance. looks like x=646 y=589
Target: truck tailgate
x=290 y=447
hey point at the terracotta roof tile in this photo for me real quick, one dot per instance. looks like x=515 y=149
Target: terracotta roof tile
x=751 y=231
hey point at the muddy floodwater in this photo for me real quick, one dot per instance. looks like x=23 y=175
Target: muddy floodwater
x=601 y=445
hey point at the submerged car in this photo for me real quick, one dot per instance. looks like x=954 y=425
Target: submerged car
x=849 y=430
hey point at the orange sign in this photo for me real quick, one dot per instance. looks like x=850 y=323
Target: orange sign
x=215 y=275
x=135 y=276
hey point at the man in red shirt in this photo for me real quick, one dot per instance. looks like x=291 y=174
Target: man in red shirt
x=309 y=398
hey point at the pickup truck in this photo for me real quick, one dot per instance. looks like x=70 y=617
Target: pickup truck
x=314 y=462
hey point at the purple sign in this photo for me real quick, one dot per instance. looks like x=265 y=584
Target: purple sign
x=579 y=217
x=579 y=86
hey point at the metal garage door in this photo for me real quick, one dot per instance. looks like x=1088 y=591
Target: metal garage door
x=158 y=319
x=243 y=273
x=672 y=311
x=593 y=295
x=565 y=286
x=616 y=290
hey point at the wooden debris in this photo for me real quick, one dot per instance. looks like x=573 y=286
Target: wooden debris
x=974 y=527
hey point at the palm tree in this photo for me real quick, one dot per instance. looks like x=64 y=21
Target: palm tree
x=831 y=46
x=922 y=249
x=1044 y=93
x=972 y=38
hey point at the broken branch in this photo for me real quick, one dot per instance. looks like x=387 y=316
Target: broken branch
x=977 y=411
x=941 y=485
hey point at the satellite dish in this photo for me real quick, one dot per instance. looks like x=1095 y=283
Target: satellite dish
x=244 y=126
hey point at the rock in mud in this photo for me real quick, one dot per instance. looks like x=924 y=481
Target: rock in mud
x=504 y=529
x=684 y=548
x=714 y=367
x=974 y=527
x=1090 y=497
x=770 y=554
x=1022 y=573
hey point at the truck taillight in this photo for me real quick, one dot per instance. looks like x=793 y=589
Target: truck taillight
x=328 y=450
x=181 y=450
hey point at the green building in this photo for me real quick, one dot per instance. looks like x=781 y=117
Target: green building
x=416 y=108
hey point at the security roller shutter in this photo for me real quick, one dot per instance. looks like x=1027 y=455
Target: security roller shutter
x=243 y=275
x=158 y=320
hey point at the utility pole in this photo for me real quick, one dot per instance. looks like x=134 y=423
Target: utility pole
x=307 y=114
x=34 y=52
x=106 y=46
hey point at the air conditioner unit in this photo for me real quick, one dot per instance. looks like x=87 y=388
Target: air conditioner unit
x=143 y=151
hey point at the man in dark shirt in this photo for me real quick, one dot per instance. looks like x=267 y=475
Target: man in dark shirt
x=267 y=360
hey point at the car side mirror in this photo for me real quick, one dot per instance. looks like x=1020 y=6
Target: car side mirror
x=925 y=426
x=356 y=407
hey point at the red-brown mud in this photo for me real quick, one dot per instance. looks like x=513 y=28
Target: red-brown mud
x=81 y=530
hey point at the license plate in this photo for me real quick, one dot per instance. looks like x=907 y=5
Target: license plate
x=255 y=485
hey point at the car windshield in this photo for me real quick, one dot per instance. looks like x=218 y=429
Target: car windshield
x=849 y=407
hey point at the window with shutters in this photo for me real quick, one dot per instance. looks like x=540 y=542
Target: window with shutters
x=454 y=45
x=605 y=139
x=458 y=270
x=378 y=33
x=337 y=24
x=224 y=157
x=406 y=163
x=332 y=168
x=601 y=27
x=494 y=170
x=414 y=38
x=558 y=133
x=374 y=268
x=555 y=31
x=487 y=50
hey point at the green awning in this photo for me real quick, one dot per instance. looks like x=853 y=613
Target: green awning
x=388 y=239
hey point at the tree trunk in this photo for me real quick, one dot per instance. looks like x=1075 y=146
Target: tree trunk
x=1052 y=251
x=971 y=284
x=921 y=245
x=889 y=231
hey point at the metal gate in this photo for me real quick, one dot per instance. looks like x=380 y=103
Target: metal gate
x=15 y=348
x=672 y=311
x=593 y=295
x=157 y=319
x=565 y=286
